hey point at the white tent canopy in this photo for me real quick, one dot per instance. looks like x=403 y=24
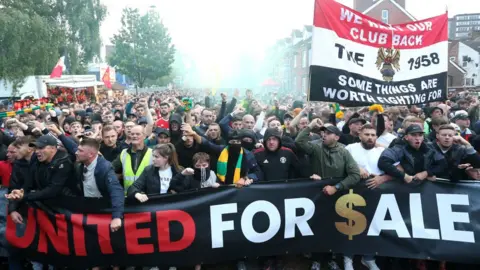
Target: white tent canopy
x=75 y=84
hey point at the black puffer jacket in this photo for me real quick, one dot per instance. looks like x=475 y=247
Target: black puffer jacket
x=402 y=152
x=50 y=180
x=445 y=165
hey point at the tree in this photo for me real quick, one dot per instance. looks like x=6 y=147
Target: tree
x=35 y=33
x=143 y=49
x=28 y=45
x=80 y=19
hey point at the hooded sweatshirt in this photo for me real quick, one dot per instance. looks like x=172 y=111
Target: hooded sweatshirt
x=279 y=164
x=175 y=136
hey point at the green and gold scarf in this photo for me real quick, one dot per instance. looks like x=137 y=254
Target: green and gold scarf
x=222 y=166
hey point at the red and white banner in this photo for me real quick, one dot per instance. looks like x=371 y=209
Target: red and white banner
x=58 y=69
x=357 y=60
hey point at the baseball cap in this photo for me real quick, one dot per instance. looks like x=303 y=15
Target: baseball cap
x=45 y=140
x=436 y=108
x=332 y=129
x=288 y=116
x=142 y=120
x=414 y=129
x=461 y=114
x=355 y=120
x=159 y=131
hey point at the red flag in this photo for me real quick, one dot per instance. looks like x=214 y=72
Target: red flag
x=58 y=69
x=106 y=78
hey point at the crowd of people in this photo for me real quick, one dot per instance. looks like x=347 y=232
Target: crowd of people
x=176 y=141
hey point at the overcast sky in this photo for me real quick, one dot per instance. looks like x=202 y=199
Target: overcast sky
x=214 y=30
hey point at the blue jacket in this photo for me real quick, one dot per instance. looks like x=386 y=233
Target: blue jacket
x=107 y=183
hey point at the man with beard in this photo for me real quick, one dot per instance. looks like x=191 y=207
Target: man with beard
x=275 y=161
x=110 y=148
x=163 y=122
x=207 y=117
x=328 y=160
x=367 y=155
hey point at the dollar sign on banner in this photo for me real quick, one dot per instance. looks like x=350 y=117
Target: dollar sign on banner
x=357 y=223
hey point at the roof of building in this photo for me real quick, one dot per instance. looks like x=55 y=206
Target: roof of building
x=393 y=2
x=297 y=33
x=474 y=44
x=467 y=14
x=457 y=66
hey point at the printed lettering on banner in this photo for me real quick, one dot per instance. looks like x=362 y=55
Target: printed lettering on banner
x=357 y=60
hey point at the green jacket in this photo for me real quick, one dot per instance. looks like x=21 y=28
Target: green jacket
x=335 y=162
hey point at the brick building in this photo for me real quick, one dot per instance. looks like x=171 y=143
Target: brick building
x=387 y=11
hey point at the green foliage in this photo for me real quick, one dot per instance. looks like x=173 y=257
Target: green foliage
x=143 y=49
x=35 y=33
x=81 y=21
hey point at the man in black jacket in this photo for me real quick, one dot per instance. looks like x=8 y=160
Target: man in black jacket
x=412 y=154
x=97 y=179
x=20 y=171
x=277 y=162
x=50 y=171
x=110 y=147
x=453 y=155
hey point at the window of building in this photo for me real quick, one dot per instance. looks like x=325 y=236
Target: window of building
x=450 y=80
x=385 y=16
x=304 y=84
x=310 y=56
x=295 y=61
x=304 y=59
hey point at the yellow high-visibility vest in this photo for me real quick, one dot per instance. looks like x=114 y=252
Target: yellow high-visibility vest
x=128 y=175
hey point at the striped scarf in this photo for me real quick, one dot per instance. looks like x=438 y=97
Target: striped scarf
x=222 y=166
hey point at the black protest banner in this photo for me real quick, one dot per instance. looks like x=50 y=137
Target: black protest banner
x=350 y=89
x=439 y=221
